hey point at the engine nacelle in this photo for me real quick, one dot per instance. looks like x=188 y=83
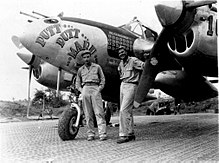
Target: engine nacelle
x=200 y=38
x=184 y=45
x=188 y=87
x=47 y=74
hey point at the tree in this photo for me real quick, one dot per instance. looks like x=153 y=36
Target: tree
x=38 y=97
x=49 y=98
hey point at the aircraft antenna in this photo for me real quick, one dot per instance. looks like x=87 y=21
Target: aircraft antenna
x=28 y=15
x=40 y=14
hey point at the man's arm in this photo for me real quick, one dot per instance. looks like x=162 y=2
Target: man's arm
x=102 y=78
x=138 y=64
x=119 y=69
x=78 y=82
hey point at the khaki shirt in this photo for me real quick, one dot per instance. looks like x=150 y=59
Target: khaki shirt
x=129 y=71
x=92 y=75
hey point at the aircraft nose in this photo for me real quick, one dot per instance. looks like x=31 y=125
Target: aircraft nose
x=168 y=12
x=29 y=35
x=26 y=38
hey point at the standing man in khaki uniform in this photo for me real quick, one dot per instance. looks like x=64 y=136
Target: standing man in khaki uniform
x=129 y=70
x=90 y=81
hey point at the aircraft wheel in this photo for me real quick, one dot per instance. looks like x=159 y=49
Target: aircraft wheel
x=66 y=128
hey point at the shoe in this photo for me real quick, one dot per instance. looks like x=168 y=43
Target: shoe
x=103 y=138
x=123 y=139
x=90 y=138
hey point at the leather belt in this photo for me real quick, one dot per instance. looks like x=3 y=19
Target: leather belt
x=90 y=84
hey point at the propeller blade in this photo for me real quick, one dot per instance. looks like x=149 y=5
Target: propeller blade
x=29 y=82
x=151 y=68
x=168 y=12
x=17 y=42
x=200 y=3
x=25 y=68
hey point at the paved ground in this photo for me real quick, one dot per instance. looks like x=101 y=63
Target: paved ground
x=171 y=138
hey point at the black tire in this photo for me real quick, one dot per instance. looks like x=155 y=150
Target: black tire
x=66 y=130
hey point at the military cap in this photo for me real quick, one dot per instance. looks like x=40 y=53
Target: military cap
x=83 y=52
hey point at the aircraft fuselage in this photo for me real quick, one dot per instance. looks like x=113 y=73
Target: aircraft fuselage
x=59 y=40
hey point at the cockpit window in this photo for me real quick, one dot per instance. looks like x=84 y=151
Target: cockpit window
x=137 y=28
x=51 y=21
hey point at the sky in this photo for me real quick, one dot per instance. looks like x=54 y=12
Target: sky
x=13 y=79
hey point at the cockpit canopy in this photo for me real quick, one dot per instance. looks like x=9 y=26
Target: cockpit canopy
x=140 y=30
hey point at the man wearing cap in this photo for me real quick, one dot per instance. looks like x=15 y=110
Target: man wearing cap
x=90 y=81
x=129 y=70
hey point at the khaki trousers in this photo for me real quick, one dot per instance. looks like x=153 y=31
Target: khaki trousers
x=126 y=122
x=93 y=105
